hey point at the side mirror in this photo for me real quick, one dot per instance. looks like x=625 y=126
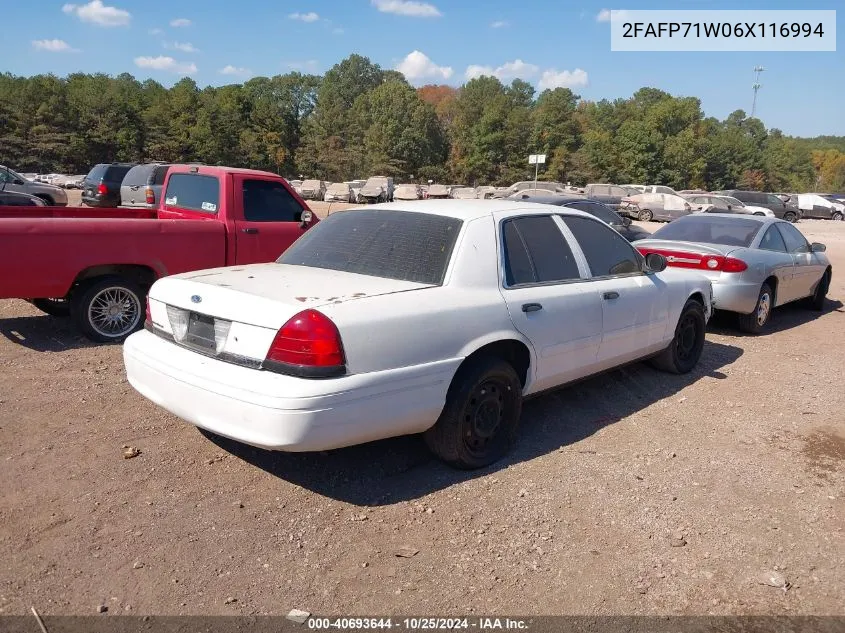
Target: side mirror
x=19 y=182
x=818 y=247
x=626 y=221
x=655 y=263
x=305 y=218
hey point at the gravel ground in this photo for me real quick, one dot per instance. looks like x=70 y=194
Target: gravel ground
x=635 y=492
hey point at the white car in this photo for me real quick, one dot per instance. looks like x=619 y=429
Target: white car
x=432 y=317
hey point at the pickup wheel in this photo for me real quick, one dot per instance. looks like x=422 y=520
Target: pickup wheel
x=108 y=309
x=57 y=307
x=685 y=349
x=478 y=425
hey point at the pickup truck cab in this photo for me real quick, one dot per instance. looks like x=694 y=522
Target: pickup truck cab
x=98 y=264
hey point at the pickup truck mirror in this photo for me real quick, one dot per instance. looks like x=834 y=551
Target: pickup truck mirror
x=305 y=218
x=626 y=221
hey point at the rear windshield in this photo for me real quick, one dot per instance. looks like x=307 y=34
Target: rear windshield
x=392 y=244
x=115 y=173
x=193 y=191
x=97 y=172
x=710 y=230
x=138 y=175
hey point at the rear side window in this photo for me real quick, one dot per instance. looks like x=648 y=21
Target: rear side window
x=536 y=252
x=608 y=253
x=772 y=240
x=196 y=192
x=269 y=201
x=391 y=244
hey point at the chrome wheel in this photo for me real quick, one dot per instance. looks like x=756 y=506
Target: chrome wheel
x=114 y=311
x=764 y=307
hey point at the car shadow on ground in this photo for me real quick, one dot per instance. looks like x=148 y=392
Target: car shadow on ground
x=784 y=318
x=402 y=469
x=44 y=333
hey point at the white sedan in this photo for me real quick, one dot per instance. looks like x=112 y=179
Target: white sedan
x=433 y=317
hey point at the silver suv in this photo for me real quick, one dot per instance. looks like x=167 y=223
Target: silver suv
x=12 y=181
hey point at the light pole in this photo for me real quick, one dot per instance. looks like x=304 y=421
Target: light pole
x=756 y=86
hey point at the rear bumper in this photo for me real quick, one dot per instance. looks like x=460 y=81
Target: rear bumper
x=278 y=412
x=735 y=296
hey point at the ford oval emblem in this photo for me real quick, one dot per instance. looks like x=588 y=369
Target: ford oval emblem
x=196 y=299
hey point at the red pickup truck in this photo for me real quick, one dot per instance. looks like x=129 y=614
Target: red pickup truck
x=97 y=265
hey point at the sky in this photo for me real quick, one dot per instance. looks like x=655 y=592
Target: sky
x=549 y=43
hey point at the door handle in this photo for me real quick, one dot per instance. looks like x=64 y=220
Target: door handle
x=250 y=231
x=531 y=307
x=610 y=295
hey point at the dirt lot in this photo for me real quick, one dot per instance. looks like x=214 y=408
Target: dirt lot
x=745 y=458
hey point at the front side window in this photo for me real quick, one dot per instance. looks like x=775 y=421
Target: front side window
x=536 y=252
x=269 y=201
x=608 y=253
x=792 y=237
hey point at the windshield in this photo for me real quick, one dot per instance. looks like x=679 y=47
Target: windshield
x=710 y=230
x=311 y=184
x=402 y=245
x=9 y=175
x=338 y=188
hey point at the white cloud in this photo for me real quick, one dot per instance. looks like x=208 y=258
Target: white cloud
x=168 y=64
x=310 y=65
x=552 y=79
x=408 y=7
x=53 y=46
x=417 y=65
x=155 y=31
x=180 y=22
x=305 y=17
x=97 y=13
x=337 y=31
x=185 y=47
x=235 y=70
x=603 y=16
x=508 y=70
x=498 y=24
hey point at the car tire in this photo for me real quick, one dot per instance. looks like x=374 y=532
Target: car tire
x=758 y=319
x=789 y=216
x=837 y=216
x=108 y=309
x=479 y=422
x=57 y=307
x=645 y=215
x=684 y=351
x=817 y=300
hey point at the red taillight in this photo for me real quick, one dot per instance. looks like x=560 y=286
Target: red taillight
x=150 y=195
x=308 y=345
x=102 y=189
x=149 y=314
x=685 y=259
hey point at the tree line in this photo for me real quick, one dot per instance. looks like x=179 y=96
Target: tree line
x=359 y=119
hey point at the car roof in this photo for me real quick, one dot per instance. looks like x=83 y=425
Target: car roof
x=474 y=209
x=558 y=200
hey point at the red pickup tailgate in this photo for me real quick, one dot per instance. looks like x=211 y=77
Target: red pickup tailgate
x=41 y=257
